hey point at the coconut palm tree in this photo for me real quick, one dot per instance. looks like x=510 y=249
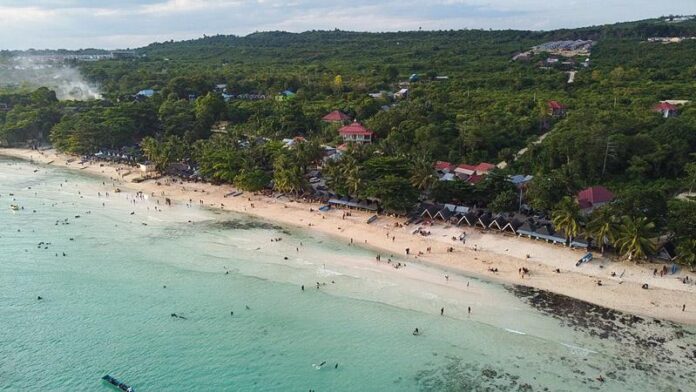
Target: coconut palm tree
x=602 y=227
x=566 y=217
x=635 y=237
x=686 y=251
x=287 y=177
x=423 y=174
x=351 y=173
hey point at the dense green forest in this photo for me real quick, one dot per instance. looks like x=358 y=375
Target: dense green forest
x=486 y=109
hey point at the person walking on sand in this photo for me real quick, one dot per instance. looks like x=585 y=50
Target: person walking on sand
x=442 y=311
x=684 y=308
x=408 y=251
x=469 y=310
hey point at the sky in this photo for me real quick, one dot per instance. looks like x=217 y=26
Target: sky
x=112 y=24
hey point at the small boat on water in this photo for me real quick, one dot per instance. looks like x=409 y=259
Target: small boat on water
x=118 y=384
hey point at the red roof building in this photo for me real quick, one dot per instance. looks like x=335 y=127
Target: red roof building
x=356 y=133
x=594 y=197
x=475 y=179
x=666 y=108
x=484 y=167
x=556 y=108
x=463 y=168
x=444 y=166
x=336 y=116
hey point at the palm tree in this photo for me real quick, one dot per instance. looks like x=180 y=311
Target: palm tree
x=566 y=217
x=287 y=177
x=687 y=252
x=422 y=176
x=353 y=180
x=635 y=237
x=351 y=173
x=602 y=227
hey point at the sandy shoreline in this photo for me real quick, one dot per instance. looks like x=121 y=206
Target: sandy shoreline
x=482 y=250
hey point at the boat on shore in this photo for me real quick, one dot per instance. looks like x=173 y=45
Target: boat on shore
x=584 y=259
x=113 y=381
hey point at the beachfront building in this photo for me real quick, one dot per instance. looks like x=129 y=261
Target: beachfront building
x=336 y=116
x=593 y=197
x=356 y=133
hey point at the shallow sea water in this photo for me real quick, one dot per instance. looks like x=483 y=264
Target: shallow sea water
x=105 y=308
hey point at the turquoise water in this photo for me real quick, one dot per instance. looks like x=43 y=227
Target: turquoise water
x=105 y=308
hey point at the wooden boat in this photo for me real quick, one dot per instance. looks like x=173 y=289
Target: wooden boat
x=584 y=259
x=118 y=384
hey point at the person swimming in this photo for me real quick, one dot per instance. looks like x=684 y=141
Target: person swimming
x=416 y=332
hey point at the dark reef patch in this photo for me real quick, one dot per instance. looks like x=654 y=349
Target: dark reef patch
x=664 y=342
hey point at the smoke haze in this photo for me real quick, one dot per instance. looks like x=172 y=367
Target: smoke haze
x=51 y=72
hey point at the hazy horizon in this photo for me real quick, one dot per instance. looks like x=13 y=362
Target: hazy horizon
x=119 y=24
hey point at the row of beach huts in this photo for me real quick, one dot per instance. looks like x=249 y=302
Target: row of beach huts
x=515 y=223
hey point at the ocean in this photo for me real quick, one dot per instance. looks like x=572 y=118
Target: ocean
x=192 y=298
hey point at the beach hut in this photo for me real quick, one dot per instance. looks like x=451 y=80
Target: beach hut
x=515 y=221
x=458 y=213
x=429 y=211
x=484 y=220
x=667 y=251
x=499 y=222
x=446 y=212
x=470 y=217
